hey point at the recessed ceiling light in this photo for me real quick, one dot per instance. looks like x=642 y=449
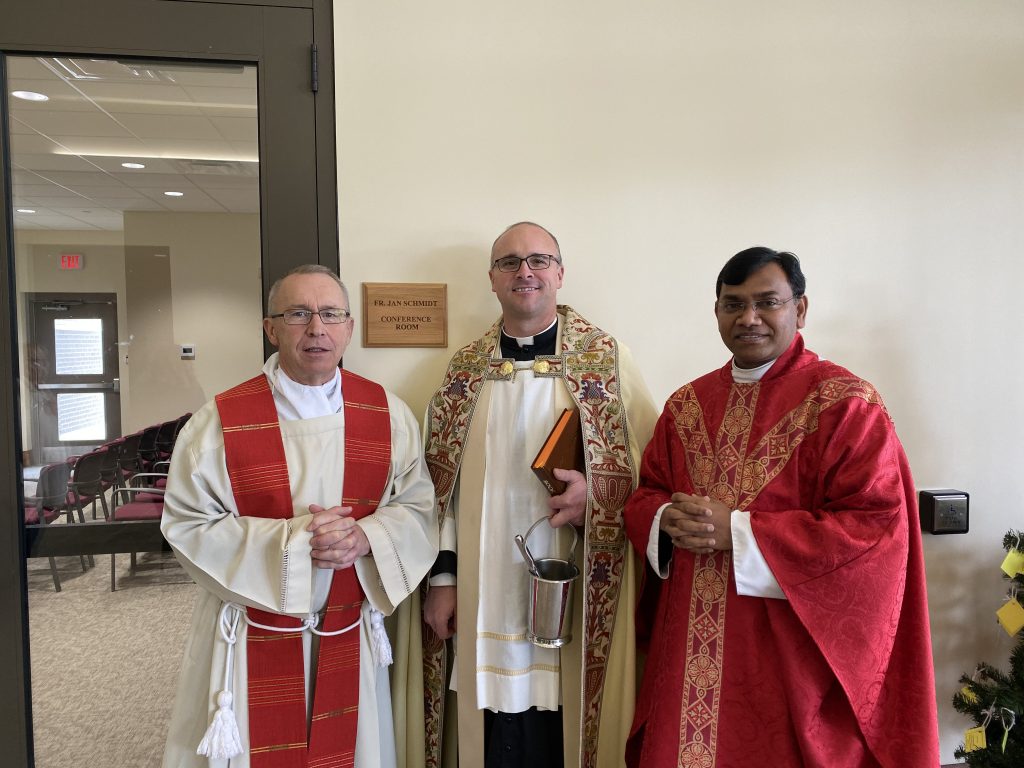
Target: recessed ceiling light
x=132 y=165
x=25 y=210
x=174 y=194
x=30 y=96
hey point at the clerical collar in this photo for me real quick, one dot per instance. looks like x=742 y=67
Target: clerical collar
x=301 y=401
x=750 y=375
x=528 y=347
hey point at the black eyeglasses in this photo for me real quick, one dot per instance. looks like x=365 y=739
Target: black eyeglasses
x=761 y=306
x=533 y=261
x=305 y=316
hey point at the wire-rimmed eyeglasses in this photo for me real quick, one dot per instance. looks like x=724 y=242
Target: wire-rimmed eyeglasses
x=305 y=316
x=533 y=261
x=761 y=306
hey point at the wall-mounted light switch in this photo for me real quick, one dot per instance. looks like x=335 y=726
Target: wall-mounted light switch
x=944 y=511
x=188 y=351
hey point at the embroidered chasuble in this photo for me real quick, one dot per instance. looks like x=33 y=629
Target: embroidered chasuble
x=485 y=425
x=838 y=674
x=258 y=471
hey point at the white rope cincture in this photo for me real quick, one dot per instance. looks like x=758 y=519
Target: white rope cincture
x=222 y=740
x=380 y=643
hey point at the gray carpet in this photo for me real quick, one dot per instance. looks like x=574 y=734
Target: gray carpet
x=105 y=664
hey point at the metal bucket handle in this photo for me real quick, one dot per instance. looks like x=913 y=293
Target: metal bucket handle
x=575 y=539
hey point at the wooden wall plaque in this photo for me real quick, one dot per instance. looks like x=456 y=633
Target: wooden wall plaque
x=405 y=314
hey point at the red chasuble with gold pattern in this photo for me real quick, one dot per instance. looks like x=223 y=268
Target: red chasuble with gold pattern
x=838 y=675
x=278 y=732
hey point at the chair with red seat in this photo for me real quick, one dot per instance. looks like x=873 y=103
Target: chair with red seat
x=49 y=503
x=130 y=460
x=147 y=447
x=165 y=439
x=141 y=503
x=110 y=471
x=86 y=483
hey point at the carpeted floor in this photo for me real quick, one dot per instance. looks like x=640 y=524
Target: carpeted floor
x=105 y=664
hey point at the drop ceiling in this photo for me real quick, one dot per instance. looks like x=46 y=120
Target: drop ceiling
x=193 y=125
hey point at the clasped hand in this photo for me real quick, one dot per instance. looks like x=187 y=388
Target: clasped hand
x=697 y=524
x=337 y=540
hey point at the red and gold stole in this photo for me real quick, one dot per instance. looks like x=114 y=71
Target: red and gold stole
x=256 y=464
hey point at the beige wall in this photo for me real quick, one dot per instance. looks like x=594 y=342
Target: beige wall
x=879 y=141
x=214 y=298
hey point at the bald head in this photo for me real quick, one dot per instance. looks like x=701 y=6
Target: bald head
x=556 y=251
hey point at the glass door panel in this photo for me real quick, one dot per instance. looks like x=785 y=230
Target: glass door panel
x=180 y=283
x=137 y=256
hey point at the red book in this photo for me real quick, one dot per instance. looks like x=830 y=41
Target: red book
x=563 y=449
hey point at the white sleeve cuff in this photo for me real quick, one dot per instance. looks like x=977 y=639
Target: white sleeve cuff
x=449 y=534
x=443 y=580
x=653 y=543
x=753 y=576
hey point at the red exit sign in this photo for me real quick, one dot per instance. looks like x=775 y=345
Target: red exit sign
x=71 y=261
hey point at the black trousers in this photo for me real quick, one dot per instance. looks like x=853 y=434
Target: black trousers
x=530 y=739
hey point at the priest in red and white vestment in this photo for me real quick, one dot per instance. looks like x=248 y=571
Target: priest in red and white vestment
x=777 y=507
x=300 y=503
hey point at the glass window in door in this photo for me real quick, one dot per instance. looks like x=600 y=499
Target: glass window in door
x=139 y=297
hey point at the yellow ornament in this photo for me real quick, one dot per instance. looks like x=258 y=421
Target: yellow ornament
x=975 y=739
x=1011 y=617
x=1013 y=563
x=541 y=366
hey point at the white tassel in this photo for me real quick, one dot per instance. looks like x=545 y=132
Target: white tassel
x=381 y=644
x=221 y=739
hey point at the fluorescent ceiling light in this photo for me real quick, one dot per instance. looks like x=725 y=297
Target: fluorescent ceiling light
x=174 y=194
x=132 y=165
x=222 y=158
x=25 y=210
x=30 y=96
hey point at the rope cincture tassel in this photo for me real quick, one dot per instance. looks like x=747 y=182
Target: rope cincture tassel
x=381 y=644
x=222 y=739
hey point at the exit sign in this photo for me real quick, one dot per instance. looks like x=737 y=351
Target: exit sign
x=71 y=261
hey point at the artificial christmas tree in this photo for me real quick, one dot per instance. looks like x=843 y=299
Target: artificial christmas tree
x=995 y=701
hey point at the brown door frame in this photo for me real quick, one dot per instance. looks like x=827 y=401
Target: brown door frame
x=298 y=223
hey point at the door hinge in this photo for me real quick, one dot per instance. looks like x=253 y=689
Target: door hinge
x=313 y=70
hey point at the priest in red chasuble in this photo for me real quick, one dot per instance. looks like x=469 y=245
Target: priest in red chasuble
x=777 y=509
x=300 y=503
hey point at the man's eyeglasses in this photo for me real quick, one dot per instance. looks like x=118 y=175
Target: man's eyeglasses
x=761 y=306
x=305 y=316
x=533 y=261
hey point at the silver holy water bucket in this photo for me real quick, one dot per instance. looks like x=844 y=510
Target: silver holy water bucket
x=549 y=623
